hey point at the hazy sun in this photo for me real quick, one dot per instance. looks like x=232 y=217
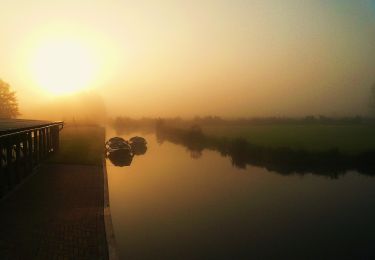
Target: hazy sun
x=63 y=66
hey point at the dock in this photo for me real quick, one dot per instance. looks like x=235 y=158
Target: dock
x=48 y=211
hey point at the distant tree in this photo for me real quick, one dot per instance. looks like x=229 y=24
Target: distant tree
x=8 y=101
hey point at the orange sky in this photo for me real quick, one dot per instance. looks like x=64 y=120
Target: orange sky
x=168 y=58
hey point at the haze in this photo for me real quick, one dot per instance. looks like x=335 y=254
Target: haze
x=187 y=58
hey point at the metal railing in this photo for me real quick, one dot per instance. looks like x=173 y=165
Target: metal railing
x=21 y=150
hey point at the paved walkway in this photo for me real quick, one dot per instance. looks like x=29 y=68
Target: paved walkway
x=56 y=214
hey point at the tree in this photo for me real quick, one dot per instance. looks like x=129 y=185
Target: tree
x=8 y=101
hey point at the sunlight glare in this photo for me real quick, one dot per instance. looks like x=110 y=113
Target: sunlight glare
x=63 y=66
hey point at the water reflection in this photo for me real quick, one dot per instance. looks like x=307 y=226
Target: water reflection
x=121 y=152
x=282 y=160
x=120 y=158
x=176 y=207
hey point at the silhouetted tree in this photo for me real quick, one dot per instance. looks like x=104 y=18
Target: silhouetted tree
x=8 y=101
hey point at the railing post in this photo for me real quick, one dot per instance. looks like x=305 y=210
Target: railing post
x=41 y=136
x=35 y=146
x=23 y=155
x=22 y=169
x=44 y=142
x=2 y=176
x=21 y=151
x=9 y=167
x=40 y=146
x=55 y=138
x=47 y=142
x=49 y=139
x=29 y=151
x=18 y=160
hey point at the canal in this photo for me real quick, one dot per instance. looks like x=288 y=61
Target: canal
x=174 y=204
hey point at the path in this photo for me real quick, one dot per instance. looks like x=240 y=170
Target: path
x=56 y=214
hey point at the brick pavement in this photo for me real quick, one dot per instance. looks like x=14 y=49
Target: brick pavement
x=56 y=214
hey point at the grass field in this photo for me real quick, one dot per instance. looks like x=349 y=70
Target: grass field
x=80 y=145
x=349 y=139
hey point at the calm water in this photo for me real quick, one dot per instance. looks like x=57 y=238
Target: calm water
x=168 y=205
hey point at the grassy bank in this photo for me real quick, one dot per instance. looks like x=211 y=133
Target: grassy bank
x=282 y=159
x=349 y=139
x=80 y=145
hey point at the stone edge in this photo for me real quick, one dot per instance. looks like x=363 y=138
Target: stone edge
x=109 y=232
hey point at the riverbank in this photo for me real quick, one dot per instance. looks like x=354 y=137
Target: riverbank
x=80 y=145
x=61 y=211
x=286 y=159
x=348 y=139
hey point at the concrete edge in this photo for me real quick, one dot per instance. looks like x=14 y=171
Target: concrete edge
x=109 y=232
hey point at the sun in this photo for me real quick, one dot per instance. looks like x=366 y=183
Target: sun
x=63 y=66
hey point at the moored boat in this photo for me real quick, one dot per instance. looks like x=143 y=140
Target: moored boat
x=138 y=145
x=117 y=143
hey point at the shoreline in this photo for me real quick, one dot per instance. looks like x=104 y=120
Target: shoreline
x=108 y=225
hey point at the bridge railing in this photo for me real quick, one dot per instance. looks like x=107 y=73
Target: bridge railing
x=21 y=151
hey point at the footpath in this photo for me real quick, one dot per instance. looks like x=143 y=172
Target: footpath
x=57 y=214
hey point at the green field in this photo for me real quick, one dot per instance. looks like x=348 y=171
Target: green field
x=349 y=139
x=80 y=145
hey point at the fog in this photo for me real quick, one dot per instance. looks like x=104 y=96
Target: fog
x=185 y=58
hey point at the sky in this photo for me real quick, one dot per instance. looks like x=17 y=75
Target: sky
x=185 y=58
